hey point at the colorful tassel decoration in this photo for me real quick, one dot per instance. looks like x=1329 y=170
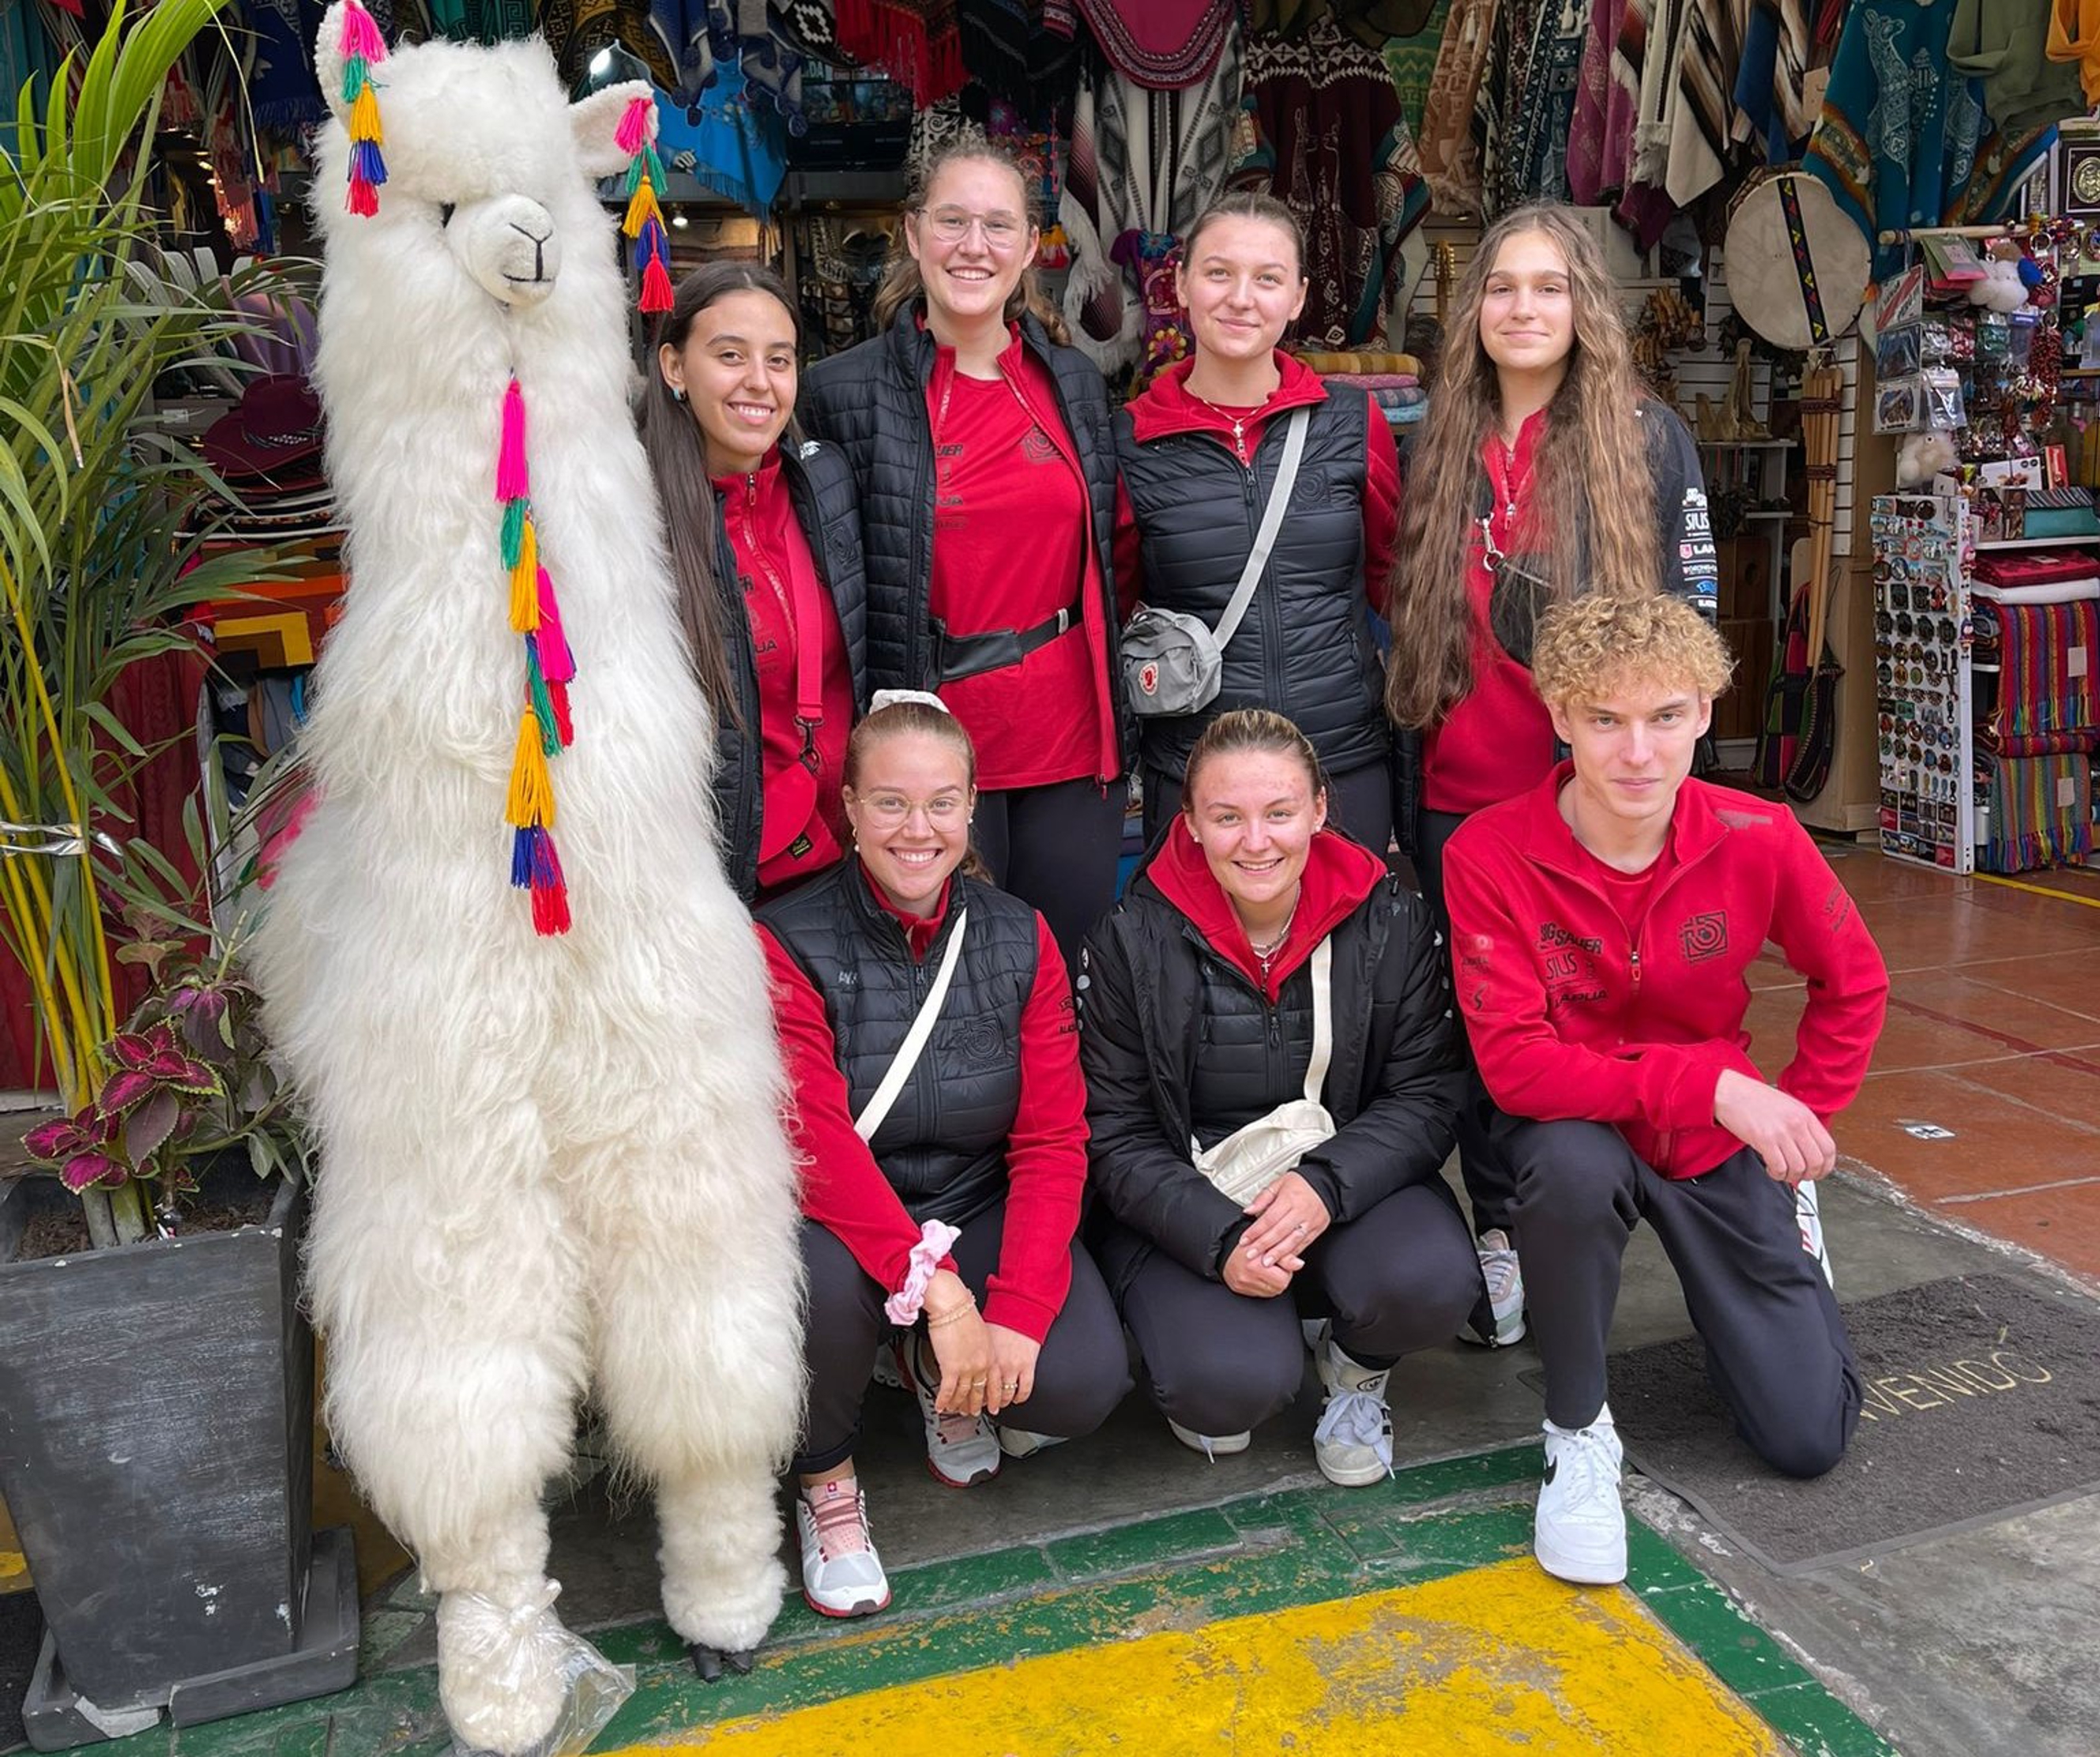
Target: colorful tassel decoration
x=543 y=728
x=514 y=481
x=363 y=48
x=644 y=223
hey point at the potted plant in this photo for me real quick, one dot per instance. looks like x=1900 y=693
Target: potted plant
x=156 y=1386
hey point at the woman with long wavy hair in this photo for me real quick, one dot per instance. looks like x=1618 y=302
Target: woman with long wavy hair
x=1545 y=470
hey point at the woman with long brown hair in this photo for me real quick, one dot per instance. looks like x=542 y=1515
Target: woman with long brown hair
x=765 y=541
x=982 y=449
x=1544 y=471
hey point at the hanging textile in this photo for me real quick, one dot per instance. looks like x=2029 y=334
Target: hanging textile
x=1538 y=160
x=1411 y=60
x=2003 y=44
x=1449 y=155
x=917 y=42
x=283 y=94
x=1771 y=98
x=995 y=36
x=1902 y=140
x=1329 y=135
x=737 y=148
x=1140 y=160
x=1499 y=102
x=1163 y=44
x=2074 y=35
x=577 y=29
x=1681 y=144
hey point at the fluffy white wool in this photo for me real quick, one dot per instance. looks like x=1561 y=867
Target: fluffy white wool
x=549 y=1165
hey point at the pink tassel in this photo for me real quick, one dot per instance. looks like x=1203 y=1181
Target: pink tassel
x=550 y=890
x=513 y=480
x=633 y=129
x=557 y=665
x=360 y=35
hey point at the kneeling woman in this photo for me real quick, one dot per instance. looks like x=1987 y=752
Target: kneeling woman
x=1201 y=992
x=935 y=1180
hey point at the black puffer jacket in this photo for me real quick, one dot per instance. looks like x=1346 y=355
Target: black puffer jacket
x=826 y=507
x=943 y=1144
x=871 y=401
x=1303 y=648
x=1176 y=1041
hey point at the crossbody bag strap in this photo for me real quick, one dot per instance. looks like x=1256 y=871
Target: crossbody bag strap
x=1272 y=521
x=809 y=658
x=899 y=1070
x=1323 y=1018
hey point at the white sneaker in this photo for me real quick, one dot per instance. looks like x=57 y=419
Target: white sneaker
x=961 y=1451
x=842 y=1574
x=1213 y=1447
x=1019 y=1442
x=1808 y=1216
x=1353 y=1443
x=1505 y=1279
x=1579 y=1533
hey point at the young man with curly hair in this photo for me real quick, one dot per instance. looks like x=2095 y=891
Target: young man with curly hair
x=1603 y=924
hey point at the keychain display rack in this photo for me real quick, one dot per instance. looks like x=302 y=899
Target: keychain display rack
x=1924 y=685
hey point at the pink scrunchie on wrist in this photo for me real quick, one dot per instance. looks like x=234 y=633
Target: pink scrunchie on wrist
x=935 y=1237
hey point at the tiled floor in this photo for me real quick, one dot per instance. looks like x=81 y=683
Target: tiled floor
x=1983 y=1105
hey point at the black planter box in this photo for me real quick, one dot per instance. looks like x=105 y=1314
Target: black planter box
x=156 y=1457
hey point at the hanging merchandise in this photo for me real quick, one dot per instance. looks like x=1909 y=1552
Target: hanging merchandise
x=1536 y=162
x=1449 y=154
x=576 y=29
x=737 y=148
x=1163 y=44
x=1498 y=104
x=1607 y=100
x=1770 y=91
x=1411 y=59
x=1329 y=131
x=1681 y=142
x=1141 y=161
x=1798 y=268
x=917 y=42
x=1903 y=140
x=2002 y=44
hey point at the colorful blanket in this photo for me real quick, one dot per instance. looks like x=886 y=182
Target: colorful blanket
x=2046 y=659
x=2041 y=813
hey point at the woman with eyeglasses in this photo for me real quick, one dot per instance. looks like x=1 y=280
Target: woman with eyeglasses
x=982 y=446
x=1545 y=468
x=1202 y=453
x=927 y=1028
x=764 y=533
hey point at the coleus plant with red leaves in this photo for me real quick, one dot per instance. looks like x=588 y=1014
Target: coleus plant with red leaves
x=189 y=1078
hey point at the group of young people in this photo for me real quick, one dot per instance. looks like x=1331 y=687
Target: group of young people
x=1213 y=1113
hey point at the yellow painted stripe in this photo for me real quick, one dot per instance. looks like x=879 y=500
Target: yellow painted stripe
x=2040 y=890
x=14 y=1571
x=1495 y=1659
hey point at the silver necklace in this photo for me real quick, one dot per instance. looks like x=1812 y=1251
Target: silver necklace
x=1265 y=955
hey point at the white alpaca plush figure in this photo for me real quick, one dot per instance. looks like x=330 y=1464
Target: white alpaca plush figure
x=551 y=1163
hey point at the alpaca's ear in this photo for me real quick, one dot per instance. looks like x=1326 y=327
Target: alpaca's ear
x=595 y=122
x=327 y=61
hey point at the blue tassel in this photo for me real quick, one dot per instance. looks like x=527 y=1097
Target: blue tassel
x=522 y=854
x=367 y=163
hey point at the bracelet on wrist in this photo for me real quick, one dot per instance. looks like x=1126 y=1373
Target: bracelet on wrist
x=956 y=1313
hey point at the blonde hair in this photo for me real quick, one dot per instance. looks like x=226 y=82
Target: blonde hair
x=1588 y=647
x=1252 y=729
x=1592 y=503
x=903 y=286
x=900 y=719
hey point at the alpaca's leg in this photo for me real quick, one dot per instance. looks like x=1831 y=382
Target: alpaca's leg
x=448 y=1288
x=697 y=1286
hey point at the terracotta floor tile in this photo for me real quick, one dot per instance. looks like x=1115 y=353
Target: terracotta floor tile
x=1925 y=936
x=2063 y=1224
x=2000 y=1023
x=1868 y=876
x=2069 y=983
x=1998 y=1142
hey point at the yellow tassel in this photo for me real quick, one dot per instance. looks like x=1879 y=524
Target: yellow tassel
x=640 y=209
x=364 y=117
x=525 y=583
x=532 y=790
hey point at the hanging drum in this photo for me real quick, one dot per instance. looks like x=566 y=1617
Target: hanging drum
x=1798 y=268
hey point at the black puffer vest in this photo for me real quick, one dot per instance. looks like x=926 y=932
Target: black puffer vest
x=943 y=1144
x=1303 y=649
x=821 y=488
x=871 y=400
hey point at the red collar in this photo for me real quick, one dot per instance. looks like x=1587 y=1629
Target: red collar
x=919 y=930
x=762 y=480
x=1166 y=407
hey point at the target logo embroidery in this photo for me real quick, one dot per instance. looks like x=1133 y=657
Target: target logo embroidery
x=1148 y=677
x=1704 y=936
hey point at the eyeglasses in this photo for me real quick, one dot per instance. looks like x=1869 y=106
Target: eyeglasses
x=944 y=811
x=952 y=225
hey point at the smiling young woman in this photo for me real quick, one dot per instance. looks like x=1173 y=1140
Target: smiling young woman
x=987 y=477
x=766 y=541
x=1199 y=453
x=1198 y=1018
x=965 y=1188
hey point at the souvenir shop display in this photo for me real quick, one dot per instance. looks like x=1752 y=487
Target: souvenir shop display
x=511 y=1219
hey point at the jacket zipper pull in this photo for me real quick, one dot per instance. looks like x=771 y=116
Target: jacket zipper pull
x=1636 y=969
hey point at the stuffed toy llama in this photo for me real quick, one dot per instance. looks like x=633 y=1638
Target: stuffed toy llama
x=544 y=1084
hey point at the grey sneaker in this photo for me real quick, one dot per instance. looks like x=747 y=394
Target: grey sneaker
x=1213 y=1447
x=961 y=1451
x=1353 y=1443
x=1505 y=1279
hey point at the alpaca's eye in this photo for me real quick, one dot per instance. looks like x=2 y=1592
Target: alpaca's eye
x=445 y=212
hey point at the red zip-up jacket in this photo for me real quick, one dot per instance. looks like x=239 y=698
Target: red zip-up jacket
x=1574 y=1013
